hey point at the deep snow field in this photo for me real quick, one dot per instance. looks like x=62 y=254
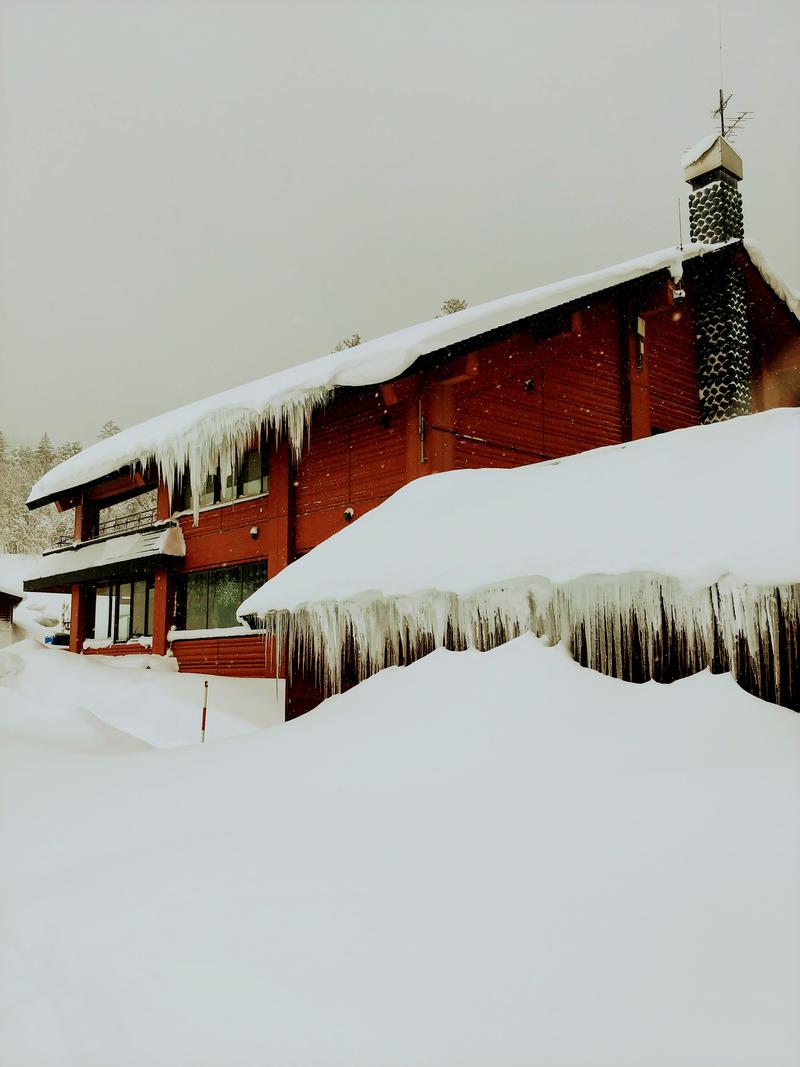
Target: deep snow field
x=494 y=858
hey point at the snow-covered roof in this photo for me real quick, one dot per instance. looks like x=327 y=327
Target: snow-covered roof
x=633 y=528
x=212 y=431
x=669 y=504
x=164 y=539
x=698 y=150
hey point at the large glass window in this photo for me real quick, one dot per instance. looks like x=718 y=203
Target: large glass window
x=207 y=600
x=250 y=478
x=124 y=610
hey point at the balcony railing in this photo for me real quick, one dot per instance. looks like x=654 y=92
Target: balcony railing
x=136 y=520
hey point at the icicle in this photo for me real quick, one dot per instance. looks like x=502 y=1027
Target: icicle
x=633 y=627
x=222 y=437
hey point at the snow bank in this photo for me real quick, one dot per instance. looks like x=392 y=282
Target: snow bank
x=654 y=533
x=216 y=431
x=481 y=859
x=39 y=613
x=143 y=696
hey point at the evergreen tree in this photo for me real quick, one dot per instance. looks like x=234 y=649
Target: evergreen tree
x=349 y=342
x=451 y=305
x=108 y=429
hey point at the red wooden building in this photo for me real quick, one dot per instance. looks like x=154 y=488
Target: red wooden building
x=250 y=480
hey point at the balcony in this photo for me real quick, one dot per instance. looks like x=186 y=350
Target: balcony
x=136 y=520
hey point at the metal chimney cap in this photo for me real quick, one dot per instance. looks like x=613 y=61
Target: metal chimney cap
x=718 y=154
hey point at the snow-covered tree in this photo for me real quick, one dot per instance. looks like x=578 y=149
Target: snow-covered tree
x=349 y=342
x=108 y=429
x=451 y=305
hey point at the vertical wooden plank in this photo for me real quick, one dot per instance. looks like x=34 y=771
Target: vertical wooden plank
x=280 y=521
x=440 y=444
x=82 y=601
x=163 y=507
x=86 y=514
x=163 y=610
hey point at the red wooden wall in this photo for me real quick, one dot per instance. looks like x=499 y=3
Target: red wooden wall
x=245 y=657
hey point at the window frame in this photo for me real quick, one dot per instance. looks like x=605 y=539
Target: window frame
x=182 y=607
x=216 y=494
x=113 y=613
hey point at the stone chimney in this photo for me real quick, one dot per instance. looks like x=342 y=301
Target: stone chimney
x=714 y=171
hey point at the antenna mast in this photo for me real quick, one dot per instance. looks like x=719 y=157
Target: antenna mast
x=741 y=116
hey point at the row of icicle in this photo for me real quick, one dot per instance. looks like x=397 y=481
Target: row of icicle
x=627 y=627
x=223 y=437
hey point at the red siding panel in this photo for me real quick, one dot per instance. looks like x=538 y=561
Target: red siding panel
x=245 y=657
x=356 y=457
x=672 y=366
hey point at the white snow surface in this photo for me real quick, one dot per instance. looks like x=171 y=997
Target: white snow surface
x=695 y=505
x=698 y=150
x=217 y=430
x=14 y=569
x=144 y=696
x=493 y=858
x=164 y=540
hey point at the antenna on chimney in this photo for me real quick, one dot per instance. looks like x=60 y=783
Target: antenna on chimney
x=739 y=117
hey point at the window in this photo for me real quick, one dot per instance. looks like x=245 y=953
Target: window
x=251 y=478
x=207 y=600
x=124 y=610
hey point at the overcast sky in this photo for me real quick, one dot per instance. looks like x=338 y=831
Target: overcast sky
x=195 y=194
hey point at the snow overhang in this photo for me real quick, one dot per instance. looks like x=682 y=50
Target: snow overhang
x=211 y=433
x=119 y=556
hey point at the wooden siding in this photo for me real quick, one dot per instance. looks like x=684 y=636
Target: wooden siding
x=355 y=458
x=533 y=400
x=223 y=534
x=669 y=346
x=243 y=657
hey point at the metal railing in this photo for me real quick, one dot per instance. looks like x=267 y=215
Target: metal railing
x=136 y=520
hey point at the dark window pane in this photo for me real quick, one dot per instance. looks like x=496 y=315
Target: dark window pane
x=253 y=577
x=151 y=590
x=224 y=597
x=102 y=612
x=124 y=616
x=196 y=601
x=251 y=473
x=139 y=613
x=228 y=486
x=207 y=492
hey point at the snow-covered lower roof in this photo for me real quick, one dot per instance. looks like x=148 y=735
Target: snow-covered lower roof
x=213 y=431
x=164 y=539
x=674 y=504
x=625 y=532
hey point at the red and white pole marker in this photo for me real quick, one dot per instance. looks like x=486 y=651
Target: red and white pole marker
x=205 y=705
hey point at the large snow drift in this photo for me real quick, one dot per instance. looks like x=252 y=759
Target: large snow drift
x=218 y=429
x=695 y=532
x=482 y=859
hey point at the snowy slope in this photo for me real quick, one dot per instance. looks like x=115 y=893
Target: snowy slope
x=216 y=429
x=144 y=696
x=481 y=859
